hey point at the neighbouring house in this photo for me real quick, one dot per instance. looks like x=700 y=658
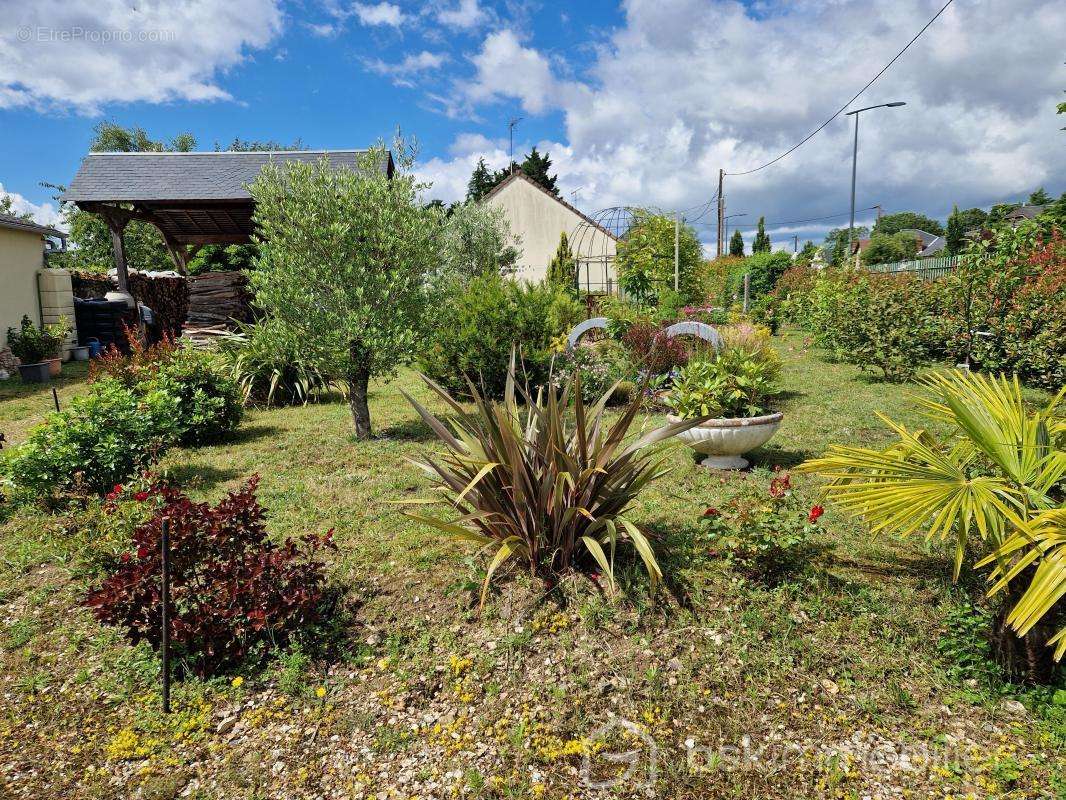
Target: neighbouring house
x=1022 y=213
x=925 y=244
x=26 y=287
x=539 y=218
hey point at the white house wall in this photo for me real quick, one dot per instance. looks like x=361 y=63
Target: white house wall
x=538 y=219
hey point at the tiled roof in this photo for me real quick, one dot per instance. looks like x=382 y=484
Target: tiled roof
x=19 y=224
x=224 y=175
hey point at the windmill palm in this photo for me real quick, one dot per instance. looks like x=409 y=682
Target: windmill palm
x=995 y=481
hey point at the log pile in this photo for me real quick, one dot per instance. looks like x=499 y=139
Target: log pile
x=167 y=296
x=90 y=285
x=217 y=301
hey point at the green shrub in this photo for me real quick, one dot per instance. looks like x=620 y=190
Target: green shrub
x=599 y=368
x=272 y=365
x=209 y=400
x=96 y=442
x=1014 y=287
x=32 y=345
x=892 y=322
x=764 y=268
x=478 y=326
x=737 y=382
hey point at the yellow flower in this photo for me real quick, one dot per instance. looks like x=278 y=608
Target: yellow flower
x=237 y=682
x=320 y=691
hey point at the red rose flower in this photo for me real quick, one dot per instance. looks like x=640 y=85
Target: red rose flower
x=140 y=497
x=816 y=511
x=711 y=512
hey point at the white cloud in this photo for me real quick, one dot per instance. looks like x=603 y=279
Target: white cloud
x=685 y=87
x=57 y=53
x=405 y=71
x=43 y=214
x=465 y=15
x=379 y=14
x=506 y=68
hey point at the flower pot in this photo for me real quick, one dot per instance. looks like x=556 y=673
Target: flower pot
x=55 y=366
x=724 y=441
x=79 y=353
x=36 y=373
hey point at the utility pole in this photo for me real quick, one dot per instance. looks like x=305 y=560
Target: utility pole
x=880 y=212
x=721 y=209
x=510 y=149
x=677 y=243
x=795 y=244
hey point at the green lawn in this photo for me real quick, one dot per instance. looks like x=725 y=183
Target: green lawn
x=727 y=688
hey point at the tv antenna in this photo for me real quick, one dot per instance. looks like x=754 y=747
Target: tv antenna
x=510 y=135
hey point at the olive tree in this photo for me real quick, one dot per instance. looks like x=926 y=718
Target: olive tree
x=476 y=241
x=345 y=260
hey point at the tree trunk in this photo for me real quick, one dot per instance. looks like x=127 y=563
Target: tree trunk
x=1024 y=658
x=358 y=383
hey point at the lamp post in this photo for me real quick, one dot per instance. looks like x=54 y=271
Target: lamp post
x=725 y=220
x=854 y=162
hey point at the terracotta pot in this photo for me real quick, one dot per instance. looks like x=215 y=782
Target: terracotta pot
x=724 y=441
x=55 y=366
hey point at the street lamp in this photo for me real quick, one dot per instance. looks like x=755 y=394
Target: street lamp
x=854 y=161
x=725 y=238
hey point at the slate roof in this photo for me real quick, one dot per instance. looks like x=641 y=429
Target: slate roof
x=111 y=177
x=18 y=224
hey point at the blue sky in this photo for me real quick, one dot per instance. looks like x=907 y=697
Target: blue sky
x=639 y=103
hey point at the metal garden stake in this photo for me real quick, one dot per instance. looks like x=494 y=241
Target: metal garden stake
x=165 y=544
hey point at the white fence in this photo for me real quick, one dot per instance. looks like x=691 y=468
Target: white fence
x=928 y=268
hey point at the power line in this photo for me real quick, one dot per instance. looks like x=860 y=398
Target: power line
x=801 y=221
x=839 y=111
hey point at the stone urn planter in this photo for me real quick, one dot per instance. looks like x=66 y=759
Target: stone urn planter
x=724 y=441
x=79 y=353
x=40 y=372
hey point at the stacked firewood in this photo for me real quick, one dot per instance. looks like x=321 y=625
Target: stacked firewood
x=167 y=296
x=217 y=301
x=91 y=285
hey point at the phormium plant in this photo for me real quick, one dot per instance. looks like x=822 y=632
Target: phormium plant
x=539 y=485
x=231 y=586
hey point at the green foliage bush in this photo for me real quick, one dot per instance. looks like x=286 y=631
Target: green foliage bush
x=740 y=381
x=271 y=365
x=32 y=345
x=96 y=442
x=645 y=259
x=208 y=398
x=765 y=268
x=479 y=324
x=887 y=248
x=892 y=322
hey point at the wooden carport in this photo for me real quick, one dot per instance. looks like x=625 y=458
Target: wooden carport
x=192 y=198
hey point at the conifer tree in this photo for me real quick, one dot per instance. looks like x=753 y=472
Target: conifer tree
x=736 y=244
x=762 y=238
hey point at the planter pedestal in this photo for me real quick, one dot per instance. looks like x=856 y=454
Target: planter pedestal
x=725 y=462
x=723 y=442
